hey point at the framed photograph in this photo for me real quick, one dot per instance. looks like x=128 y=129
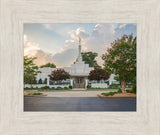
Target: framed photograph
x=79 y=67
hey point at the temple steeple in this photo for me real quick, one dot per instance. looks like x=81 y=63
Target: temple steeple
x=79 y=71
x=79 y=59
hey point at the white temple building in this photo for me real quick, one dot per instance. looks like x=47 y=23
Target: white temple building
x=78 y=71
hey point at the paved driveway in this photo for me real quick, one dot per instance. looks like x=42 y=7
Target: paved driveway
x=79 y=104
x=75 y=93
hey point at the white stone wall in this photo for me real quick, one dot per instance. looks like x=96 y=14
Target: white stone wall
x=72 y=70
x=99 y=85
x=44 y=73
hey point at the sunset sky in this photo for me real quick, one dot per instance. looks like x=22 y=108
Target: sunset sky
x=58 y=43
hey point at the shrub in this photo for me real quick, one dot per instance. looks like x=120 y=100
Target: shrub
x=40 y=81
x=59 y=88
x=112 y=93
x=109 y=93
x=114 y=86
x=119 y=91
x=45 y=87
x=134 y=89
x=129 y=86
x=130 y=91
x=45 y=81
x=70 y=86
x=88 y=86
x=65 y=87
x=35 y=93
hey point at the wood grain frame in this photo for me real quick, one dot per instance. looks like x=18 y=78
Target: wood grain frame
x=145 y=13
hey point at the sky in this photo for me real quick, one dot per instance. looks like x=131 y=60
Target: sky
x=58 y=43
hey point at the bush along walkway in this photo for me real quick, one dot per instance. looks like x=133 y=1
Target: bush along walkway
x=48 y=88
x=35 y=94
x=129 y=93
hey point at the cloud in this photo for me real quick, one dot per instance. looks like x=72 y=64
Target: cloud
x=122 y=25
x=69 y=44
x=43 y=57
x=62 y=59
x=125 y=29
x=98 y=40
x=101 y=36
x=48 y=26
x=79 y=32
x=46 y=39
x=60 y=29
x=30 y=48
x=65 y=58
x=73 y=43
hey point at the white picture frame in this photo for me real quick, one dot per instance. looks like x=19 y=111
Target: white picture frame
x=145 y=121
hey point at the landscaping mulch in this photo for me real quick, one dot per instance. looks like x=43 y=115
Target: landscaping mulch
x=34 y=95
x=118 y=95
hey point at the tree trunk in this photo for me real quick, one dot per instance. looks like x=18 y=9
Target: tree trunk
x=123 y=85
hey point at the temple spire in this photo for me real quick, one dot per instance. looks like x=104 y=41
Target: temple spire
x=79 y=51
x=79 y=40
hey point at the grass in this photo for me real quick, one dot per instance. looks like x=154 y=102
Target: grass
x=130 y=91
x=35 y=93
x=112 y=93
x=133 y=90
x=109 y=93
x=101 y=88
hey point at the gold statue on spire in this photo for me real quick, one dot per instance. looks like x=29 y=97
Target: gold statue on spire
x=79 y=40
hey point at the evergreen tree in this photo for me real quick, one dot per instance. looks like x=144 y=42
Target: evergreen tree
x=45 y=81
x=40 y=81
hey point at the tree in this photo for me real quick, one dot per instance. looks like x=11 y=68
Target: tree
x=52 y=65
x=59 y=75
x=120 y=59
x=45 y=81
x=40 y=81
x=89 y=58
x=98 y=74
x=30 y=70
x=35 y=81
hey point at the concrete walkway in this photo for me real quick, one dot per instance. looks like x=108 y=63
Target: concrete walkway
x=75 y=93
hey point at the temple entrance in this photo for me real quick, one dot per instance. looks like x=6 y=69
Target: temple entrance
x=79 y=82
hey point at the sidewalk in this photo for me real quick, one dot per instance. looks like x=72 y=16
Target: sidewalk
x=75 y=93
